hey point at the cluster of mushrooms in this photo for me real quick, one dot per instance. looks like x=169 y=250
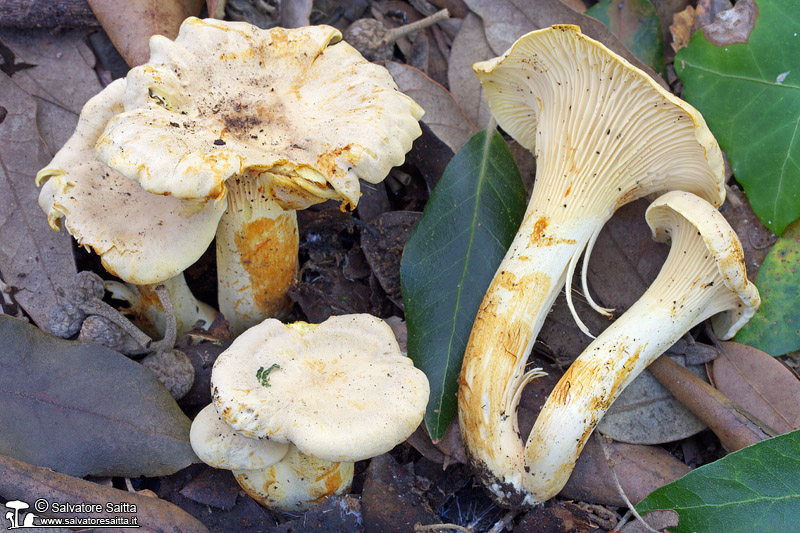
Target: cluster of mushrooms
x=604 y=134
x=229 y=129
x=223 y=135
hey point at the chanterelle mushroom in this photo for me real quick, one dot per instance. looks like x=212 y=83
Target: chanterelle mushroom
x=704 y=276
x=140 y=237
x=266 y=122
x=340 y=390
x=604 y=134
x=276 y=475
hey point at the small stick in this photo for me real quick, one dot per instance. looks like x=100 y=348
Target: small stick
x=398 y=33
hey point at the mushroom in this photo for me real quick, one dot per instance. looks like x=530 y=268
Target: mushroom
x=276 y=475
x=339 y=392
x=704 y=276
x=140 y=237
x=603 y=134
x=263 y=122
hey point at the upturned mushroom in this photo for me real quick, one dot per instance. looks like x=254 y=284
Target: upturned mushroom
x=261 y=122
x=604 y=134
x=338 y=392
x=140 y=237
x=703 y=277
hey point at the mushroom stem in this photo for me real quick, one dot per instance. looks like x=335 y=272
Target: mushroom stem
x=510 y=316
x=148 y=311
x=695 y=283
x=257 y=254
x=297 y=482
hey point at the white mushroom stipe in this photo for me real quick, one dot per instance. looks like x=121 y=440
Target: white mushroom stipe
x=704 y=276
x=604 y=134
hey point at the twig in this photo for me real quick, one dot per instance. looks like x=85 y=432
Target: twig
x=607 y=455
x=398 y=33
x=501 y=524
x=436 y=527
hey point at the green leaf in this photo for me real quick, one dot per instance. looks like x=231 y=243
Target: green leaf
x=775 y=328
x=749 y=93
x=80 y=408
x=754 y=489
x=450 y=260
x=636 y=24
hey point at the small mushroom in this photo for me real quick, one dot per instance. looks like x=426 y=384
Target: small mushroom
x=340 y=390
x=604 y=134
x=261 y=122
x=278 y=476
x=140 y=237
x=703 y=277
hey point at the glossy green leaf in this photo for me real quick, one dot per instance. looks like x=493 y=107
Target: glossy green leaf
x=754 y=489
x=636 y=24
x=450 y=259
x=749 y=93
x=80 y=408
x=775 y=328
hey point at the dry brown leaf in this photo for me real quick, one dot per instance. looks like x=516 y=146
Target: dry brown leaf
x=733 y=25
x=130 y=23
x=639 y=469
x=682 y=28
x=504 y=21
x=760 y=384
x=734 y=427
x=34 y=260
x=647 y=413
x=469 y=46
x=442 y=113
x=666 y=9
x=21 y=481
x=61 y=81
x=658 y=520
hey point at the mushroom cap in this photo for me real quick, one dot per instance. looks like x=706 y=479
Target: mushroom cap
x=140 y=237
x=724 y=246
x=218 y=445
x=341 y=390
x=297 y=482
x=227 y=99
x=598 y=126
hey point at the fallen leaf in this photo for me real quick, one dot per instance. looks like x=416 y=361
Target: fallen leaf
x=625 y=260
x=62 y=398
x=131 y=23
x=733 y=25
x=639 y=469
x=648 y=413
x=61 y=14
x=382 y=242
x=682 y=28
x=754 y=489
x=336 y=514
x=295 y=13
x=34 y=260
x=442 y=113
x=62 y=80
x=450 y=259
x=389 y=501
x=213 y=487
x=775 y=328
x=469 y=46
x=734 y=427
x=760 y=384
x=636 y=24
x=430 y=155
x=749 y=95
x=658 y=520
x=22 y=481
x=504 y=21
x=557 y=517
